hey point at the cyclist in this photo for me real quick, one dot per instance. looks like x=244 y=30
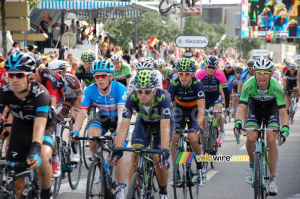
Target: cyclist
x=289 y=83
x=265 y=97
x=73 y=92
x=122 y=70
x=213 y=80
x=246 y=74
x=188 y=93
x=228 y=71
x=160 y=65
x=233 y=84
x=153 y=106
x=33 y=126
x=109 y=97
x=83 y=73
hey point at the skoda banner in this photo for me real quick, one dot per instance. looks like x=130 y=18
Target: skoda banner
x=185 y=41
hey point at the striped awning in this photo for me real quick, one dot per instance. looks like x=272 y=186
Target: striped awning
x=99 y=9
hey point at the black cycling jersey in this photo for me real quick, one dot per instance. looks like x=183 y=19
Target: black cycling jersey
x=84 y=76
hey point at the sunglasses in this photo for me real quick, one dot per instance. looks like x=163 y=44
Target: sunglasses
x=293 y=69
x=88 y=63
x=18 y=75
x=262 y=73
x=211 y=67
x=103 y=76
x=146 y=91
x=181 y=74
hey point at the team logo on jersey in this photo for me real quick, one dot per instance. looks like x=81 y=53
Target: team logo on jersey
x=14 y=154
x=200 y=94
x=83 y=98
x=124 y=97
x=125 y=112
x=167 y=111
x=37 y=91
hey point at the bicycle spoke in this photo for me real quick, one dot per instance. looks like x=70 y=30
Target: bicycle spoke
x=75 y=171
x=95 y=181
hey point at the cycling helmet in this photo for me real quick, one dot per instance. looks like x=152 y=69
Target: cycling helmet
x=238 y=68
x=228 y=64
x=144 y=64
x=257 y=59
x=57 y=64
x=159 y=63
x=116 y=58
x=293 y=65
x=88 y=56
x=212 y=61
x=150 y=59
x=263 y=64
x=20 y=61
x=250 y=62
x=185 y=65
x=103 y=66
x=145 y=79
x=203 y=65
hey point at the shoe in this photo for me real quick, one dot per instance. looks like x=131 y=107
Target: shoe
x=163 y=196
x=273 y=189
x=202 y=177
x=244 y=133
x=121 y=193
x=75 y=158
x=221 y=138
x=171 y=182
x=56 y=171
x=97 y=176
x=90 y=157
x=249 y=175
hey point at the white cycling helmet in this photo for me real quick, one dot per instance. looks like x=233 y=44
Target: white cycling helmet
x=263 y=64
x=144 y=64
x=116 y=58
x=293 y=65
x=57 y=64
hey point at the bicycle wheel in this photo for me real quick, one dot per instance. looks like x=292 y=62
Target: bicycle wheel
x=257 y=176
x=179 y=179
x=75 y=171
x=215 y=147
x=56 y=182
x=164 y=7
x=292 y=113
x=193 y=177
x=136 y=185
x=86 y=149
x=32 y=194
x=95 y=186
x=155 y=185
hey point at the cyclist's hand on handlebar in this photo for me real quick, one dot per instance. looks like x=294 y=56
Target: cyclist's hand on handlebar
x=73 y=134
x=199 y=130
x=285 y=131
x=33 y=158
x=115 y=157
x=166 y=155
x=238 y=127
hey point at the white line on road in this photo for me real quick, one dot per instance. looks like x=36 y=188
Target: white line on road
x=81 y=188
x=243 y=147
x=210 y=174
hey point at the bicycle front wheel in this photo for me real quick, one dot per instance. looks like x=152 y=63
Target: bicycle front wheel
x=179 y=179
x=258 y=177
x=95 y=186
x=193 y=185
x=135 y=188
x=75 y=171
x=86 y=149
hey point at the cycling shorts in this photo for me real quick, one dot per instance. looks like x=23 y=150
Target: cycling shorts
x=142 y=133
x=183 y=117
x=256 y=114
x=213 y=102
x=67 y=105
x=289 y=86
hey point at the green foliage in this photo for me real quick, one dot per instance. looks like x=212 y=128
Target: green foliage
x=149 y=24
x=213 y=32
x=33 y=3
x=249 y=44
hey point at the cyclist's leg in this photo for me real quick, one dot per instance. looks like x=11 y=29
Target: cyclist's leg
x=288 y=95
x=193 y=138
x=219 y=116
x=19 y=187
x=296 y=93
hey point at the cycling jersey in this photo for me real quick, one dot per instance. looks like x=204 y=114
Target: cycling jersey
x=263 y=104
x=186 y=98
x=233 y=83
x=131 y=86
x=84 y=76
x=73 y=87
x=227 y=75
x=212 y=84
x=158 y=110
x=107 y=104
x=54 y=83
x=3 y=77
x=122 y=75
x=36 y=104
x=291 y=81
x=245 y=76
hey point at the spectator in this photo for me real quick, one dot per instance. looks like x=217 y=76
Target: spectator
x=78 y=33
x=31 y=50
x=111 y=46
x=84 y=36
x=43 y=29
x=108 y=54
x=130 y=44
x=74 y=66
x=15 y=48
x=56 y=34
x=126 y=56
x=70 y=58
x=119 y=51
x=50 y=35
x=105 y=46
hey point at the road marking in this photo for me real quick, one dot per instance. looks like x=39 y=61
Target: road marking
x=210 y=174
x=243 y=147
x=81 y=188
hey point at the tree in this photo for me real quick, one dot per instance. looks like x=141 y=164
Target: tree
x=249 y=44
x=214 y=32
x=149 y=24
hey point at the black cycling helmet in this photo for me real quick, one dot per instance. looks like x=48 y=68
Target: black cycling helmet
x=20 y=61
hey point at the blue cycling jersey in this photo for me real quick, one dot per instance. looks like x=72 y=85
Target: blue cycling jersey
x=107 y=104
x=233 y=82
x=245 y=75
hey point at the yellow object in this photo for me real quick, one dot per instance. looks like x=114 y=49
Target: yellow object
x=43 y=57
x=283 y=14
x=2 y=65
x=42 y=66
x=49 y=59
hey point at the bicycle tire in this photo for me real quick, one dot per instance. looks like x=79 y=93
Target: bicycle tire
x=32 y=194
x=155 y=184
x=266 y=178
x=75 y=171
x=96 y=164
x=164 y=7
x=179 y=183
x=193 y=185
x=86 y=149
x=257 y=176
x=135 y=186
x=215 y=135
x=60 y=178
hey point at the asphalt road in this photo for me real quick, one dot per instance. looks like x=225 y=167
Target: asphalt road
x=227 y=179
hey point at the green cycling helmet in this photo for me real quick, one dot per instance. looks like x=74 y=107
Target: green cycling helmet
x=185 y=65
x=145 y=79
x=88 y=56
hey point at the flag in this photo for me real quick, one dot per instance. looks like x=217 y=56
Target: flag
x=185 y=158
x=153 y=41
x=270 y=36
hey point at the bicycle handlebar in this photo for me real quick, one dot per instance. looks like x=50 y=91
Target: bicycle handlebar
x=180 y=131
x=4 y=163
x=255 y=129
x=59 y=119
x=95 y=138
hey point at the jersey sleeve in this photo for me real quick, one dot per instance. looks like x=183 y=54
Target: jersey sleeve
x=130 y=105
x=200 y=90
x=122 y=95
x=278 y=93
x=131 y=86
x=52 y=88
x=243 y=76
x=246 y=90
x=127 y=71
x=165 y=105
x=86 y=98
x=230 y=81
x=42 y=103
x=171 y=91
x=284 y=75
x=78 y=73
x=222 y=78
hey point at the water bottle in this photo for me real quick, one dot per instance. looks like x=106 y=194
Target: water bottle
x=107 y=169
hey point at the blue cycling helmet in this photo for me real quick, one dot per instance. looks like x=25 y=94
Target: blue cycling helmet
x=212 y=61
x=20 y=61
x=103 y=66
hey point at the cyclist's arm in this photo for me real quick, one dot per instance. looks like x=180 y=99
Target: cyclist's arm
x=79 y=119
x=83 y=85
x=120 y=112
x=223 y=95
x=122 y=132
x=201 y=112
x=284 y=83
x=241 y=111
x=284 y=118
x=39 y=127
x=165 y=133
x=127 y=82
x=240 y=86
